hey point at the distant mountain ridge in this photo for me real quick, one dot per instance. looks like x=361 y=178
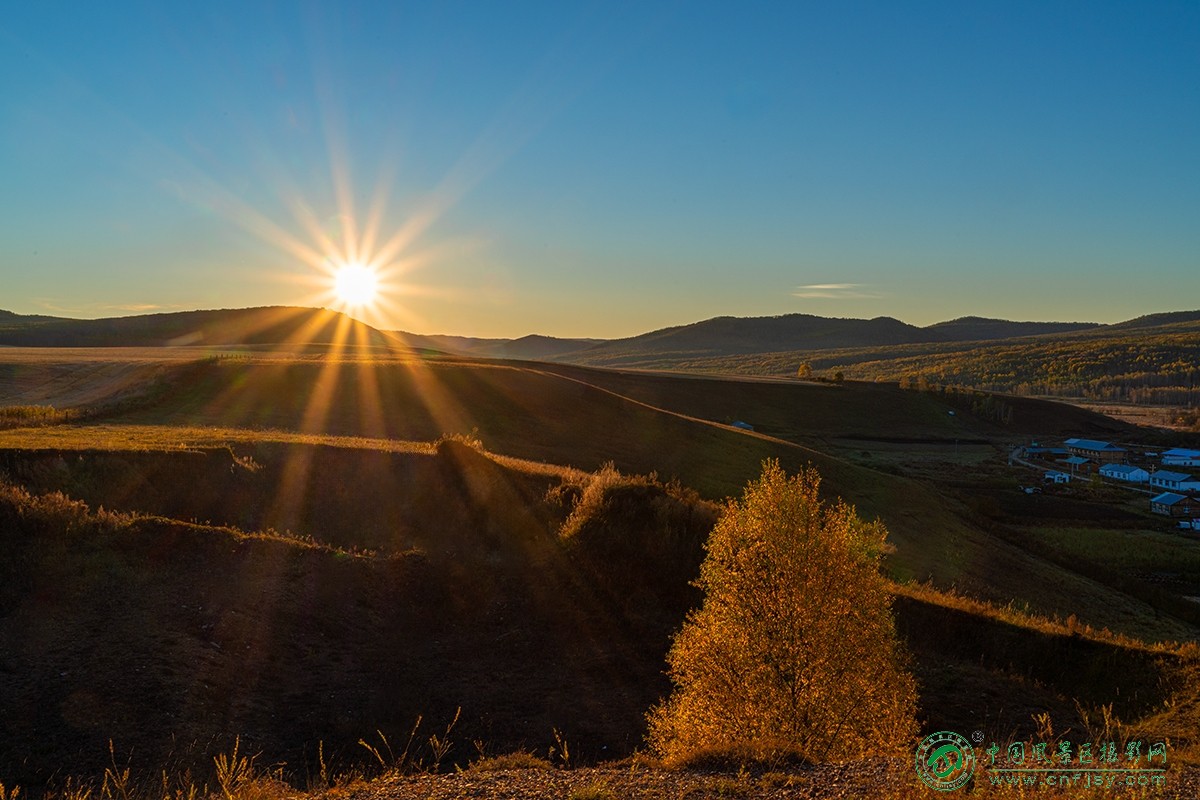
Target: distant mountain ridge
x=705 y=345
x=1157 y=320
x=740 y=336
x=8 y=318
x=530 y=347
x=967 y=329
x=733 y=336
x=223 y=327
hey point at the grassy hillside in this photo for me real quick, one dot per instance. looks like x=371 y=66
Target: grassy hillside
x=168 y=636
x=1149 y=362
x=531 y=600
x=812 y=412
x=673 y=427
x=403 y=573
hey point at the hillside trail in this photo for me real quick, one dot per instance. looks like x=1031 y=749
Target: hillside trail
x=710 y=423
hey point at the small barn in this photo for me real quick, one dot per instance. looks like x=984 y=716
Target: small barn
x=1054 y=476
x=1078 y=464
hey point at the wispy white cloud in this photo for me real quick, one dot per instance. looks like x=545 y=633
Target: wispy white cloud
x=139 y=307
x=53 y=307
x=836 y=291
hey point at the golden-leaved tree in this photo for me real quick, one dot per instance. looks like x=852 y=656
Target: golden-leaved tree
x=794 y=649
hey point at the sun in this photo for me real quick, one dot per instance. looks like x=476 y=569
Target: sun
x=356 y=285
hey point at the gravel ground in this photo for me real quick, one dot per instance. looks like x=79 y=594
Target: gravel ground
x=864 y=780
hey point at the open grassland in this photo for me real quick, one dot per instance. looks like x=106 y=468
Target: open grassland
x=807 y=411
x=672 y=426
x=252 y=473
x=1141 y=552
x=531 y=602
x=401 y=569
x=1153 y=365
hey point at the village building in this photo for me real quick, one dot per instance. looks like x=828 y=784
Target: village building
x=1100 y=452
x=1181 y=457
x=1078 y=464
x=1037 y=451
x=1125 y=472
x=1174 y=481
x=1174 y=505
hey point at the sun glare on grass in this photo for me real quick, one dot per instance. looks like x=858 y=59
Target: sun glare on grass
x=356 y=285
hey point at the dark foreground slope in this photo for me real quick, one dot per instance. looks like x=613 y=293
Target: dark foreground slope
x=531 y=600
x=170 y=638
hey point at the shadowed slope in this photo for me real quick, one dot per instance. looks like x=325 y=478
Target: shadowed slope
x=533 y=414
x=529 y=611
x=170 y=637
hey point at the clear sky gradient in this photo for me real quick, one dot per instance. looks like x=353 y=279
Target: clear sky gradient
x=603 y=169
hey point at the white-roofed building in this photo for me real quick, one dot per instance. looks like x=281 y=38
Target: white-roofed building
x=1181 y=457
x=1125 y=472
x=1174 y=481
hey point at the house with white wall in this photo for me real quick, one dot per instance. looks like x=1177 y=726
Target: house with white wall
x=1170 y=481
x=1125 y=472
x=1181 y=457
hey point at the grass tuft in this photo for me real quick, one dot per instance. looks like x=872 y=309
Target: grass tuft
x=511 y=761
x=761 y=755
x=592 y=791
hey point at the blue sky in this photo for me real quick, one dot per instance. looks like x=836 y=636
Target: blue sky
x=603 y=169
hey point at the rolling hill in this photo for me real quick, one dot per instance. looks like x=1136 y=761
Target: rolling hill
x=10 y=320
x=725 y=336
x=305 y=545
x=520 y=600
x=1150 y=359
x=533 y=346
x=675 y=427
x=275 y=325
x=291 y=582
x=1151 y=365
x=966 y=329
